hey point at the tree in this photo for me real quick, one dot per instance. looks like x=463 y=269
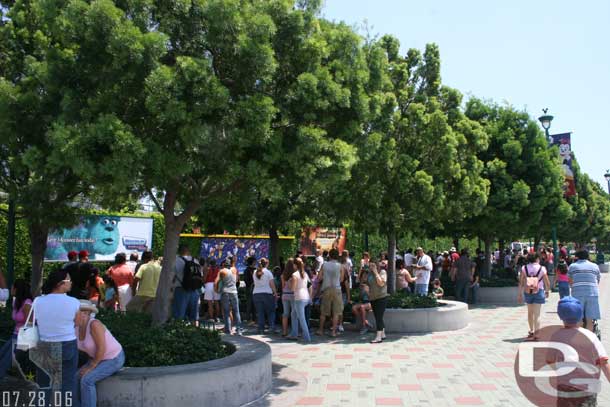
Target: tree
x=524 y=173
x=44 y=94
x=417 y=158
x=590 y=217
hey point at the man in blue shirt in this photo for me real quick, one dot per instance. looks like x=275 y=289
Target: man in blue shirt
x=584 y=279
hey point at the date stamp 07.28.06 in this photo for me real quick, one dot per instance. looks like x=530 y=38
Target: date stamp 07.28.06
x=35 y=399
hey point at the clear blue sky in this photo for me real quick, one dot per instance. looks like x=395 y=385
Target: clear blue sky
x=531 y=54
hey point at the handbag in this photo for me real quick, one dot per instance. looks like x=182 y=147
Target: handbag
x=27 y=337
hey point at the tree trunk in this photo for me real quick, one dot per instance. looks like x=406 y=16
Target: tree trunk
x=173 y=227
x=501 y=244
x=274 y=247
x=537 y=240
x=487 y=268
x=39 y=233
x=392 y=261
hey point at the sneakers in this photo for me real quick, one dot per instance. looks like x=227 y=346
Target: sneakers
x=340 y=328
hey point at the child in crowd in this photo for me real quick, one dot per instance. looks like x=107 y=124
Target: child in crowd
x=437 y=290
x=562 y=281
x=111 y=298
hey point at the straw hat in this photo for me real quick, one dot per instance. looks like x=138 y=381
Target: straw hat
x=86 y=305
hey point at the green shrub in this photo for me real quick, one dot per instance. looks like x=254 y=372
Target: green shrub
x=175 y=343
x=410 y=301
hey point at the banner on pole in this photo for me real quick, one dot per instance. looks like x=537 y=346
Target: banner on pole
x=565 y=152
x=102 y=236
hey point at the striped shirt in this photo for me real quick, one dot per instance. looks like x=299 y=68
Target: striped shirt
x=585 y=278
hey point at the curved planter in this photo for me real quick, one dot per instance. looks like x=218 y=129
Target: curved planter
x=498 y=295
x=604 y=268
x=451 y=317
x=234 y=380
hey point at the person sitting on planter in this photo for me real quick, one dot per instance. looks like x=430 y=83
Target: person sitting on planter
x=106 y=355
x=360 y=309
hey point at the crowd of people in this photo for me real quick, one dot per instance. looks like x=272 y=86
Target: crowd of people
x=328 y=283
x=66 y=326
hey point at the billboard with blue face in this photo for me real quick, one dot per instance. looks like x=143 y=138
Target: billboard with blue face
x=102 y=236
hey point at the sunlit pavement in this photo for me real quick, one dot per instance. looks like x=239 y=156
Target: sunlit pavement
x=470 y=367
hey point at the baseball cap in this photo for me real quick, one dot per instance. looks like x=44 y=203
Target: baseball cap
x=570 y=310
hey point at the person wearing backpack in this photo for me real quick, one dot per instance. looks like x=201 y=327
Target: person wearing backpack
x=534 y=288
x=188 y=281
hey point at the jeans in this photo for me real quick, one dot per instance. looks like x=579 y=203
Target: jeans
x=378 y=310
x=265 y=307
x=287 y=307
x=474 y=292
x=564 y=288
x=6 y=355
x=68 y=387
x=298 y=317
x=421 y=289
x=88 y=395
x=230 y=300
x=461 y=290
x=186 y=304
x=308 y=314
x=250 y=311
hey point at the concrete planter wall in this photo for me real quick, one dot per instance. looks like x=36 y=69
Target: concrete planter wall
x=498 y=295
x=450 y=317
x=604 y=268
x=235 y=380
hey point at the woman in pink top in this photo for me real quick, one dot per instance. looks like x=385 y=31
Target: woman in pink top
x=106 y=355
x=22 y=302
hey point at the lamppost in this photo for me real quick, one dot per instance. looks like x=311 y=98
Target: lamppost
x=607 y=176
x=545 y=121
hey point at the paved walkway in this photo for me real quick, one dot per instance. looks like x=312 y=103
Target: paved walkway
x=470 y=367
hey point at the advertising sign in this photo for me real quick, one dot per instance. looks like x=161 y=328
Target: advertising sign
x=565 y=152
x=219 y=248
x=314 y=238
x=102 y=236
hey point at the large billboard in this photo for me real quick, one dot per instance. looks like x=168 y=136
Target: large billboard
x=219 y=248
x=102 y=236
x=314 y=238
x=565 y=152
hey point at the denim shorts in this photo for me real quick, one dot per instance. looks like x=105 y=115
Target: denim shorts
x=590 y=306
x=534 y=298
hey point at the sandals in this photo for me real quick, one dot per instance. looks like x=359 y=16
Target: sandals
x=377 y=341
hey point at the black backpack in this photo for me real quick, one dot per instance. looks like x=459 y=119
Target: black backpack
x=192 y=277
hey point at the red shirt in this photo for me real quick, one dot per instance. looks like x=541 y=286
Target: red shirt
x=455 y=257
x=121 y=274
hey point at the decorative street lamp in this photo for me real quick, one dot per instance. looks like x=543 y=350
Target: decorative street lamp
x=545 y=121
x=607 y=176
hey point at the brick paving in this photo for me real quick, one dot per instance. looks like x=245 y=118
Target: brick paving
x=470 y=367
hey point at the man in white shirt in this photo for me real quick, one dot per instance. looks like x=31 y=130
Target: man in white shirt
x=422 y=269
